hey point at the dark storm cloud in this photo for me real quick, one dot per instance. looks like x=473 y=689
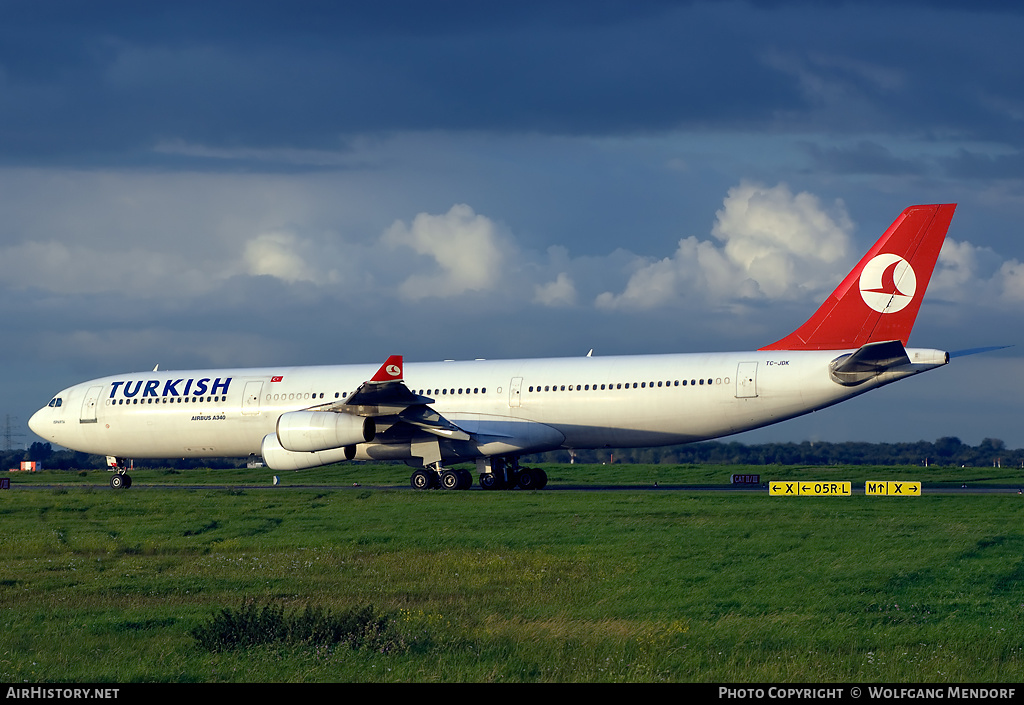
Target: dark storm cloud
x=863 y=158
x=107 y=82
x=972 y=165
x=104 y=82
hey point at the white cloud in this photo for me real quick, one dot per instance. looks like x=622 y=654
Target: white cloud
x=969 y=274
x=277 y=255
x=467 y=251
x=1011 y=281
x=776 y=245
x=560 y=292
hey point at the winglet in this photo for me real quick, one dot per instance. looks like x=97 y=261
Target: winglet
x=880 y=298
x=390 y=371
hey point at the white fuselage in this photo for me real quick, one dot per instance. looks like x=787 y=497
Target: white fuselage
x=584 y=402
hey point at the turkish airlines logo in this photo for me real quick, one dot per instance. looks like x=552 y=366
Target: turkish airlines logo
x=393 y=370
x=888 y=283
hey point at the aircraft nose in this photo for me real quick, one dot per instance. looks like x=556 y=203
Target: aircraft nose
x=36 y=422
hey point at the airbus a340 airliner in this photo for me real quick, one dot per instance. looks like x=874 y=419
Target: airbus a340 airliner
x=494 y=411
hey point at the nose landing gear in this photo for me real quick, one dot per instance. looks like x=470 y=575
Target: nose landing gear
x=120 y=480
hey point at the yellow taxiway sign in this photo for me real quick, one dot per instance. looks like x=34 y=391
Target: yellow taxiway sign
x=808 y=488
x=890 y=488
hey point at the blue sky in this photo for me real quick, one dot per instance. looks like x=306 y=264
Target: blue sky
x=223 y=184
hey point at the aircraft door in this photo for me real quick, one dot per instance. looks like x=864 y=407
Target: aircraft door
x=515 y=392
x=89 y=405
x=746 y=380
x=251 y=398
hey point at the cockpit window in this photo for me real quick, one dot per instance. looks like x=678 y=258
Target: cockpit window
x=55 y=402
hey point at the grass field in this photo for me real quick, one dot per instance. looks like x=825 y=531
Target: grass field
x=630 y=585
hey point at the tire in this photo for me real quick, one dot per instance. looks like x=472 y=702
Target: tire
x=117 y=482
x=542 y=478
x=422 y=480
x=451 y=480
x=527 y=479
x=490 y=481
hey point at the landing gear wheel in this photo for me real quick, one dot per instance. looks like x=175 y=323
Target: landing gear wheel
x=490 y=481
x=456 y=480
x=120 y=482
x=542 y=478
x=527 y=479
x=422 y=480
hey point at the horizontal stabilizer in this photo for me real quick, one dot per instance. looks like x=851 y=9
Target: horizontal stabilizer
x=868 y=361
x=975 y=351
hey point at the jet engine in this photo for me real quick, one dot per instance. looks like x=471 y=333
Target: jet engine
x=278 y=458
x=312 y=431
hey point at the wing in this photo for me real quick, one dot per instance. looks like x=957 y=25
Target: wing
x=385 y=394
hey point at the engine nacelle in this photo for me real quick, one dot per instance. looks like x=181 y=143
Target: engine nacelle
x=312 y=431
x=279 y=458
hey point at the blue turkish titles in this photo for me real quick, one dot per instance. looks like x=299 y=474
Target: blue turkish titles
x=170 y=388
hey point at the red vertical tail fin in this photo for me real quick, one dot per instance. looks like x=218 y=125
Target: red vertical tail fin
x=880 y=298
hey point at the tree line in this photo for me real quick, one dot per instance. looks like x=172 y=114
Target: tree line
x=946 y=451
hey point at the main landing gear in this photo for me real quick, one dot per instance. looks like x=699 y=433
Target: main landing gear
x=433 y=477
x=495 y=474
